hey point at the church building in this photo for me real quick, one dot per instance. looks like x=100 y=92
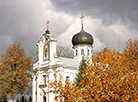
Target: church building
x=49 y=64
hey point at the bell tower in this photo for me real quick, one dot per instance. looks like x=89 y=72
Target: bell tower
x=82 y=43
x=46 y=46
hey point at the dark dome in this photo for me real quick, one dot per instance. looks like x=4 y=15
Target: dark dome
x=82 y=38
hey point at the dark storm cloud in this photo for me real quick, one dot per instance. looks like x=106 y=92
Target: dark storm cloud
x=24 y=20
x=108 y=10
x=111 y=12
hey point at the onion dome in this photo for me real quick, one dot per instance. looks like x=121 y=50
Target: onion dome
x=82 y=38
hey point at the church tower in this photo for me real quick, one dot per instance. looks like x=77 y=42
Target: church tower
x=46 y=47
x=82 y=43
x=42 y=69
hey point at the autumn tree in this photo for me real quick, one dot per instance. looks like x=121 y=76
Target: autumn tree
x=112 y=77
x=109 y=78
x=131 y=54
x=15 y=71
x=63 y=89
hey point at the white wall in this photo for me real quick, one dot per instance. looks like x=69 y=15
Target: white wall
x=79 y=48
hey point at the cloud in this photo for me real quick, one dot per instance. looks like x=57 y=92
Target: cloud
x=25 y=21
x=109 y=11
x=111 y=22
x=112 y=36
x=20 y=20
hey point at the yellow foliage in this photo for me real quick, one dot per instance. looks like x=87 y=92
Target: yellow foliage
x=113 y=76
x=15 y=71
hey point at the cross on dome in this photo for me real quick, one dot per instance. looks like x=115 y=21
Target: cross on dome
x=47 y=25
x=82 y=38
x=82 y=17
x=47 y=31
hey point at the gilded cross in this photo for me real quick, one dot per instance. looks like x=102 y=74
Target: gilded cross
x=82 y=17
x=47 y=25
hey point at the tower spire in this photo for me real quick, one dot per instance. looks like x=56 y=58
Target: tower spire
x=47 y=31
x=82 y=17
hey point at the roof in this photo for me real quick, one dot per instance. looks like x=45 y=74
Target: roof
x=69 y=62
x=61 y=61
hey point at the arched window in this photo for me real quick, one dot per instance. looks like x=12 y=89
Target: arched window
x=88 y=52
x=44 y=78
x=46 y=52
x=82 y=51
x=76 y=52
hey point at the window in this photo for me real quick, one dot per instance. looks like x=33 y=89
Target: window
x=46 y=52
x=46 y=39
x=88 y=51
x=44 y=78
x=82 y=51
x=76 y=52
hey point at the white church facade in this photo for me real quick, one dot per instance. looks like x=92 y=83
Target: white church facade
x=49 y=63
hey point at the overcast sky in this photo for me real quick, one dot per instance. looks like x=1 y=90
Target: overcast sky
x=111 y=22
